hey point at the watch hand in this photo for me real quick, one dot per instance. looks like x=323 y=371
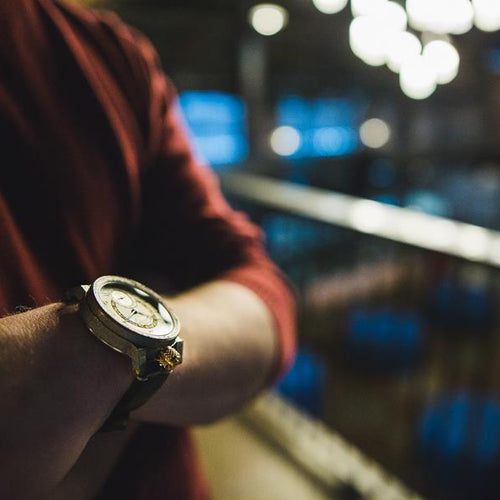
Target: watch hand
x=133 y=313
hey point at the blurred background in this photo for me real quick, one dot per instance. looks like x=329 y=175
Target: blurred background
x=363 y=136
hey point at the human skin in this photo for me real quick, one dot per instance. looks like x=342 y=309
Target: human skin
x=58 y=383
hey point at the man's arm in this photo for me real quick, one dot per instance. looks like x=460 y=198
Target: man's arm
x=231 y=351
x=58 y=383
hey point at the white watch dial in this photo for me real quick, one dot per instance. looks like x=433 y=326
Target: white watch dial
x=135 y=309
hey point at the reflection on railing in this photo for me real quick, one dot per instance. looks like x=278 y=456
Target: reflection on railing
x=402 y=225
x=323 y=454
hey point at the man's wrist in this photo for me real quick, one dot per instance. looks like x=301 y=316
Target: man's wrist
x=100 y=374
x=103 y=358
x=58 y=385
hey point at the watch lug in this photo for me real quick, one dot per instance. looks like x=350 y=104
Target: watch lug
x=76 y=294
x=178 y=345
x=139 y=360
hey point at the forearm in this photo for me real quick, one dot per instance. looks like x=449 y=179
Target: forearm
x=57 y=384
x=230 y=351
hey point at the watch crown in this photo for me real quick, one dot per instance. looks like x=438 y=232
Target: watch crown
x=169 y=358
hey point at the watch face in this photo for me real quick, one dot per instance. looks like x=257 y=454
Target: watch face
x=134 y=308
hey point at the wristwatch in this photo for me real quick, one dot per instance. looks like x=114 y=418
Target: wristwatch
x=134 y=320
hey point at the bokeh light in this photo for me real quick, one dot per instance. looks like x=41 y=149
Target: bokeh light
x=268 y=19
x=417 y=78
x=392 y=16
x=285 y=141
x=330 y=6
x=366 y=7
x=487 y=14
x=370 y=35
x=375 y=133
x=443 y=58
x=367 y=40
x=402 y=46
x=441 y=16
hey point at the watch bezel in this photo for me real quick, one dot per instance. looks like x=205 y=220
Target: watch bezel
x=139 y=339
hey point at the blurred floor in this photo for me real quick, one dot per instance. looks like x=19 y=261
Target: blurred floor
x=242 y=466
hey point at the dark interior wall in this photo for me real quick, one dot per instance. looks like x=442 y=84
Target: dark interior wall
x=198 y=48
x=200 y=42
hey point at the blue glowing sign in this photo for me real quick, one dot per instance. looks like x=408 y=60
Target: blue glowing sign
x=327 y=126
x=290 y=237
x=462 y=427
x=385 y=337
x=492 y=60
x=305 y=384
x=217 y=122
x=463 y=307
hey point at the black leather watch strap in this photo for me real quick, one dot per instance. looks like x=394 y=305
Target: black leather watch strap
x=153 y=357
x=137 y=394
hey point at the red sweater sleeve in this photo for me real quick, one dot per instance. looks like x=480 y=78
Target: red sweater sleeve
x=188 y=225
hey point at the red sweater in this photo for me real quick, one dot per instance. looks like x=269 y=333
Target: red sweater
x=97 y=177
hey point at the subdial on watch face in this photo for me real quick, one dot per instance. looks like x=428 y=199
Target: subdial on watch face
x=122 y=298
x=133 y=310
x=139 y=314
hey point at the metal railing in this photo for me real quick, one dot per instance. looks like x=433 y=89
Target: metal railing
x=322 y=453
x=403 y=225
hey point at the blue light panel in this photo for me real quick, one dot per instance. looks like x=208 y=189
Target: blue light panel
x=328 y=126
x=461 y=428
x=492 y=60
x=217 y=122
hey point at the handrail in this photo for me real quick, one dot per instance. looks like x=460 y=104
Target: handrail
x=321 y=452
x=403 y=225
